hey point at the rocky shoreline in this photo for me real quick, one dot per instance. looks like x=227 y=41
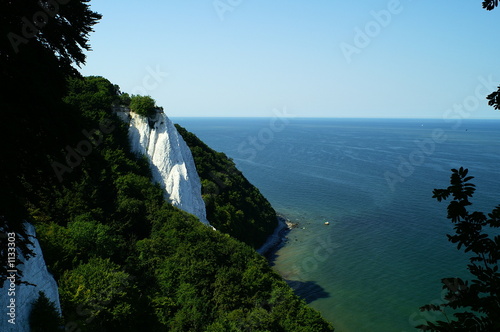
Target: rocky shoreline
x=278 y=238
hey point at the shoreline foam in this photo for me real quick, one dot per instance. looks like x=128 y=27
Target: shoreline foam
x=278 y=238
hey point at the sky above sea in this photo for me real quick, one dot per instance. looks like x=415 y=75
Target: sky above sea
x=388 y=59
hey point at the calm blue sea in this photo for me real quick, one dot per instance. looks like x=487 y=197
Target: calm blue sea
x=385 y=251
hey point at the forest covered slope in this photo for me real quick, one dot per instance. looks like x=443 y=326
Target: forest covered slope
x=126 y=259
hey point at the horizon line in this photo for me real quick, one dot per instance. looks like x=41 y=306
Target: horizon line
x=321 y=117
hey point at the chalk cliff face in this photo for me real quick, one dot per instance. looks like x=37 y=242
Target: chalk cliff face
x=171 y=162
x=34 y=272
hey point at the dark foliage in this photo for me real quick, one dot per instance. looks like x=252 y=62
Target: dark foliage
x=475 y=304
x=494 y=99
x=490 y=4
x=39 y=42
x=44 y=316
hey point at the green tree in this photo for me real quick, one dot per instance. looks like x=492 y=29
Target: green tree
x=91 y=94
x=44 y=316
x=102 y=290
x=58 y=247
x=92 y=238
x=143 y=105
x=125 y=99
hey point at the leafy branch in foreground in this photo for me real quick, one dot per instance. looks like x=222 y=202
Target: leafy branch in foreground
x=476 y=304
x=490 y=4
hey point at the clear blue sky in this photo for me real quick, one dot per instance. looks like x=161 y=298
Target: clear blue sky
x=252 y=56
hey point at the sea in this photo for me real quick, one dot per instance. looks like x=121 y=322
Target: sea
x=384 y=251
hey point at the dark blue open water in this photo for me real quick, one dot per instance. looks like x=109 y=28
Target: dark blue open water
x=385 y=250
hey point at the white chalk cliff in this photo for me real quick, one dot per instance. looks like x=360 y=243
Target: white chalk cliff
x=34 y=272
x=170 y=159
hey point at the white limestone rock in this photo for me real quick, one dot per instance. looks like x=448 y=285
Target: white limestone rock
x=34 y=272
x=171 y=161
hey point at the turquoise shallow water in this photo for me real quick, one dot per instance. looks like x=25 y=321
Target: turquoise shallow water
x=385 y=251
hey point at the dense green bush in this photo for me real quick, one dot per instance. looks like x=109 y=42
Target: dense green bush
x=124 y=99
x=98 y=294
x=143 y=105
